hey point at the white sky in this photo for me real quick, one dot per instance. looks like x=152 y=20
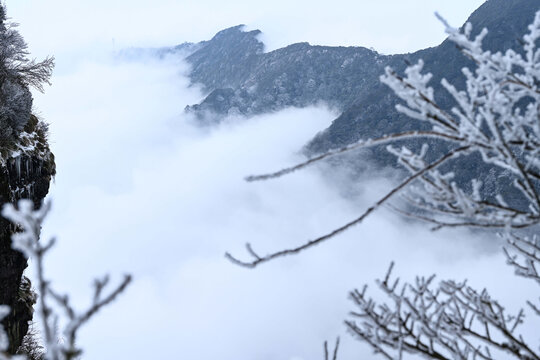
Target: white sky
x=390 y=26
x=140 y=190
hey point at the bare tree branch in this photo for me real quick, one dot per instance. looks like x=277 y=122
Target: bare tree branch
x=358 y=145
x=262 y=259
x=27 y=241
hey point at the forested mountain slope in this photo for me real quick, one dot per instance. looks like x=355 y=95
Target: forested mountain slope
x=241 y=78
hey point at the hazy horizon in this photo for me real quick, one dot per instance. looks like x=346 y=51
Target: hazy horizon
x=82 y=28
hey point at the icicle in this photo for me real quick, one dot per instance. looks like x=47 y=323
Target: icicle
x=18 y=166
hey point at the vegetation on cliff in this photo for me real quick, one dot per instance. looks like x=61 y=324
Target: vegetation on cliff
x=17 y=74
x=26 y=167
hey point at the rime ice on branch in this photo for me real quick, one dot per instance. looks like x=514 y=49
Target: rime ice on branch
x=17 y=74
x=27 y=241
x=496 y=116
x=448 y=321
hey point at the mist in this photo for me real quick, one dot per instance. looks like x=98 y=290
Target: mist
x=142 y=189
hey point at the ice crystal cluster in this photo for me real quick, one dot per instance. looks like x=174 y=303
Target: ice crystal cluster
x=497 y=116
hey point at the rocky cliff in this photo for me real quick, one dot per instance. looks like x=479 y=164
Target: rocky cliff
x=25 y=172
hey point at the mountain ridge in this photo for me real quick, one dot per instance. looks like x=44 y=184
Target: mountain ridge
x=241 y=79
x=263 y=82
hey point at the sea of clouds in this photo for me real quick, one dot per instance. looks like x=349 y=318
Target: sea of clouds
x=142 y=189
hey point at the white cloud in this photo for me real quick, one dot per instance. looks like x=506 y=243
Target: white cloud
x=141 y=190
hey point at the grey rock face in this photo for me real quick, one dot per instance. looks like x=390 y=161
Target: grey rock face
x=28 y=176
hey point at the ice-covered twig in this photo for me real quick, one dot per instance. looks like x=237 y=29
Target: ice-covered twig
x=448 y=321
x=496 y=116
x=27 y=241
x=361 y=144
x=262 y=259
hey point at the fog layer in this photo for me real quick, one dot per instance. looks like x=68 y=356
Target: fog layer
x=140 y=189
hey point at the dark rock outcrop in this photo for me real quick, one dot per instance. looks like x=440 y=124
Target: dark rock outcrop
x=25 y=173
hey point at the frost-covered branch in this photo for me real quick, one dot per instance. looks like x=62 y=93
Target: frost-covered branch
x=497 y=116
x=15 y=65
x=257 y=260
x=523 y=253
x=26 y=241
x=446 y=321
x=361 y=144
x=18 y=72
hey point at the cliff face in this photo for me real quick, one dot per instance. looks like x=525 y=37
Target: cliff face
x=25 y=172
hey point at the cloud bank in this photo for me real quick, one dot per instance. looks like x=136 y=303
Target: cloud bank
x=140 y=189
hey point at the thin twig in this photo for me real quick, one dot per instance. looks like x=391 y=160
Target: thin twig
x=259 y=260
x=354 y=146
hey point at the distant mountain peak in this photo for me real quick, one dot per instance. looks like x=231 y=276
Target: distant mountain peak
x=241 y=79
x=224 y=60
x=238 y=30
